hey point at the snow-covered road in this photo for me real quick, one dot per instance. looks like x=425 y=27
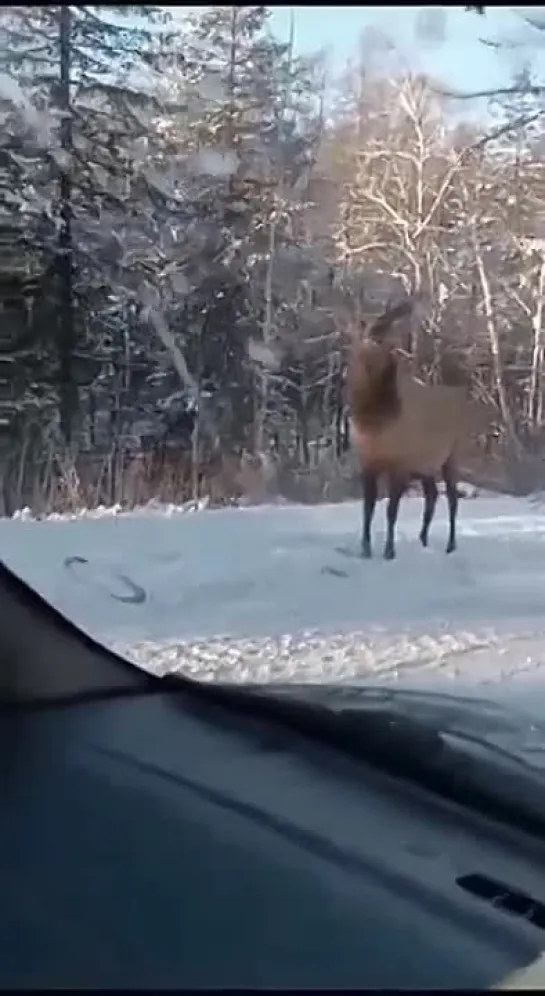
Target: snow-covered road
x=268 y=593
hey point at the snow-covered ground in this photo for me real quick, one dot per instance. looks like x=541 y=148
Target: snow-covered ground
x=269 y=593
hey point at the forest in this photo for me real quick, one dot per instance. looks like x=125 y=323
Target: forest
x=193 y=215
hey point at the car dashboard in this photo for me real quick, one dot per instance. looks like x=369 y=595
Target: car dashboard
x=158 y=841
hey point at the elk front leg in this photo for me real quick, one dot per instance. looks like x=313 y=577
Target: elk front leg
x=370 y=492
x=429 y=488
x=396 y=489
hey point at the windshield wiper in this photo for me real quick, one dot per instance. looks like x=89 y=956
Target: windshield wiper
x=499 y=785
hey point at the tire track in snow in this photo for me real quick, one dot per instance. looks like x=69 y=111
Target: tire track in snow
x=137 y=594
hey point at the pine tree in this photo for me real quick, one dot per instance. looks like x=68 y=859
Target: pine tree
x=72 y=64
x=255 y=117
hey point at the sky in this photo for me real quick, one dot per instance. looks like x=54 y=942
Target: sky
x=441 y=41
x=444 y=42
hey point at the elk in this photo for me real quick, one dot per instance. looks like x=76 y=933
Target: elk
x=402 y=429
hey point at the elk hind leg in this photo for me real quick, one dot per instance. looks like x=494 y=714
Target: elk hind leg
x=451 y=488
x=370 y=493
x=429 y=487
x=396 y=489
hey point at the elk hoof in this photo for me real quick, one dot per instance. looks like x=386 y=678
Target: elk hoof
x=389 y=553
x=451 y=546
x=423 y=539
x=366 y=551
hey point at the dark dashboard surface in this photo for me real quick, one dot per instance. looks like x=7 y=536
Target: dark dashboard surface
x=146 y=843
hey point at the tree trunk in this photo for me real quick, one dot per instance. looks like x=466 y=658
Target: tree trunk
x=68 y=391
x=535 y=394
x=495 y=352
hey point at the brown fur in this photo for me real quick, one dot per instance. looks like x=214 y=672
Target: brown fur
x=402 y=428
x=372 y=386
x=408 y=426
x=398 y=422
x=373 y=370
